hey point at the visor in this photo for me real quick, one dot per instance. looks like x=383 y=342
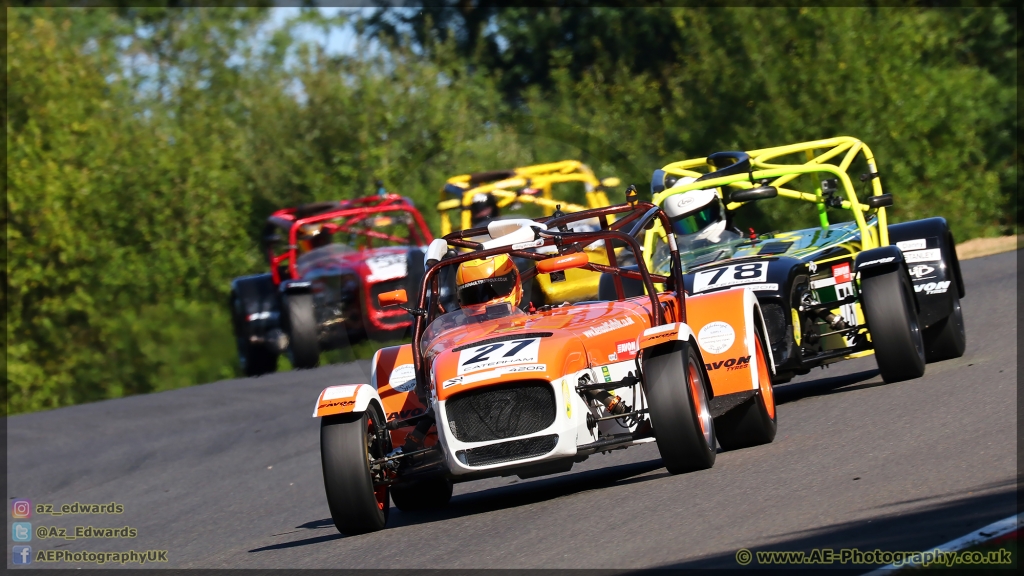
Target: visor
x=487 y=289
x=697 y=221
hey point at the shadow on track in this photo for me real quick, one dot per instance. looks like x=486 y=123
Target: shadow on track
x=499 y=498
x=832 y=385
x=918 y=530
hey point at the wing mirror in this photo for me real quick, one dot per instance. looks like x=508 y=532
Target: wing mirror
x=880 y=201
x=759 y=193
x=564 y=262
x=393 y=298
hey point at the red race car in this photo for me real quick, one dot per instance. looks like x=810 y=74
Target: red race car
x=328 y=262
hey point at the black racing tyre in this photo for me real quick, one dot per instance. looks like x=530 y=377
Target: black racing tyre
x=753 y=422
x=676 y=392
x=888 y=302
x=303 y=331
x=348 y=443
x=947 y=339
x=423 y=494
x=255 y=359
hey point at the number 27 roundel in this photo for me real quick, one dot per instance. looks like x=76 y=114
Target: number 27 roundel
x=498 y=354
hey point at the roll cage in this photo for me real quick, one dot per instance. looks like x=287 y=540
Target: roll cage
x=526 y=185
x=635 y=217
x=343 y=216
x=755 y=168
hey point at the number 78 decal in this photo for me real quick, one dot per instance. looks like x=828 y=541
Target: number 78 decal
x=498 y=354
x=733 y=275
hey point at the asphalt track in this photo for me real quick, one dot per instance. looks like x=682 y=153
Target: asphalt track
x=228 y=474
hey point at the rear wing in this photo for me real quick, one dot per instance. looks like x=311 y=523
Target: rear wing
x=525 y=185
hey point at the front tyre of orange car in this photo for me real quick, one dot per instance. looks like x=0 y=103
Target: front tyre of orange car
x=676 y=391
x=348 y=443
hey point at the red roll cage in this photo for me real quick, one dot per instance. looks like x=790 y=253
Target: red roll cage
x=354 y=212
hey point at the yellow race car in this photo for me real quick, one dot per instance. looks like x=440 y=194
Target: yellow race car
x=851 y=286
x=470 y=201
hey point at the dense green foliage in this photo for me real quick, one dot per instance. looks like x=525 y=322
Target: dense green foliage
x=146 y=146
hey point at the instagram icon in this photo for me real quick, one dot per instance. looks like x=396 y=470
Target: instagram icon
x=21 y=509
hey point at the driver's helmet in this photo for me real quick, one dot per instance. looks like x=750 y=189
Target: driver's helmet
x=483 y=208
x=488 y=281
x=313 y=236
x=697 y=214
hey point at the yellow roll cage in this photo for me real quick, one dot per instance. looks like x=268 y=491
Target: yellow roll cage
x=818 y=153
x=507 y=190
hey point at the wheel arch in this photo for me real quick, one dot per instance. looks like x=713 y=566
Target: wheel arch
x=346 y=399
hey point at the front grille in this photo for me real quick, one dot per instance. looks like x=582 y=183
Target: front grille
x=498 y=412
x=508 y=451
x=382 y=287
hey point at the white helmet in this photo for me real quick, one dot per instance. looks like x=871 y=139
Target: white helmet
x=697 y=212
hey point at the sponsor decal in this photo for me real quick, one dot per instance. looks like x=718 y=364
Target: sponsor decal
x=716 y=337
x=923 y=255
x=499 y=354
x=933 y=287
x=919 y=244
x=568 y=399
x=339 y=403
x=841 y=272
x=762 y=287
x=921 y=271
x=735 y=275
x=878 y=261
x=606 y=374
x=730 y=364
x=812 y=267
x=683 y=202
x=343 y=391
x=608 y=326
x=386 y=267
x=524 y=245
x=823 y=282
x=626 y=349
x=402 y=415
x=258 y=316
x=403 y=378
x=480 y=376
x=530 y=368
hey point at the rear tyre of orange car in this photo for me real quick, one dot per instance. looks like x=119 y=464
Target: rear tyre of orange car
x=676 y=391
x=303 y=331
x=947 y=339
x=888 y=302
x=426 y=494
x=754 y=422
x=348 y=442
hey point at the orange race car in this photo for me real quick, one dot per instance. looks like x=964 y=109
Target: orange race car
x=490 y=389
